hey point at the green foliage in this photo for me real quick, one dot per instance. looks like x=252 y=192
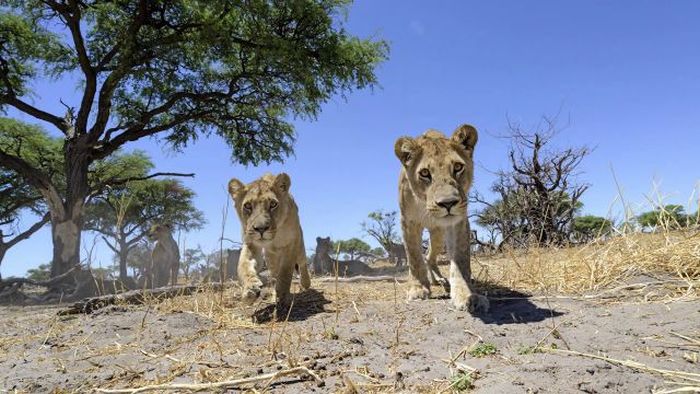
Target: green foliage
x=589 y=227
x=462 y=381
x=240 y=70
x=40 y=273
x=523 y=350
x=516 y=218
x=668 y=217
x=483 y=350
x=24 y=45
x=350 y=247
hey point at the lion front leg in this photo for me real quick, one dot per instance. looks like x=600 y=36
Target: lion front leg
x=462 y=294
x=437 y=244
x=282 y=269
x=251 y=256
x=419 y=285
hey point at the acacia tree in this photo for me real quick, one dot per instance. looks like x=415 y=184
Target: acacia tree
x=589 y=227
x=190 y=258
x=139 y=256
x=670 y=216
x=124 y=214
x=174 y=69
x=351 y=247
x=382 y=227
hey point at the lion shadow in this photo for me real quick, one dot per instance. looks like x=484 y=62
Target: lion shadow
x=304 y=305
x=508 y=306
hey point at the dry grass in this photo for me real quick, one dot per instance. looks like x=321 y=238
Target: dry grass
x=599 y=265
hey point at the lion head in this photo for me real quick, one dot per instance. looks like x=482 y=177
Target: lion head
x=261 y=205
x=323 y=246
x=440 y=170
x=159 y=231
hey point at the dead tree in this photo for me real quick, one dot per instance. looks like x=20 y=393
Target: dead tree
x=538 y=197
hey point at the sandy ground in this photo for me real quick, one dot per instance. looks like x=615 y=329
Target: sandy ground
x=360 y=336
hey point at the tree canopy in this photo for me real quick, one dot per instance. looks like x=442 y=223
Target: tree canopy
x=589 y=227
x=670 y=216
x=351 y=247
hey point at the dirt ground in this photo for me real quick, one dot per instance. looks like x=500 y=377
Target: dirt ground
x=360 y=337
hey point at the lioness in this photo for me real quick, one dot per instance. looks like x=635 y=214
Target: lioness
x=271 y=230
x=165 y=258
x=323 y=263
x=435 y=178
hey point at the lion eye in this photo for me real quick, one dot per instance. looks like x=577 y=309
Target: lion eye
x=273 y=204
x=458 y=168
x=248 y=206
x=425 y=173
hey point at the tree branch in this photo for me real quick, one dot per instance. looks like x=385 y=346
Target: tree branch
x=121 y=181
x=73 y=23
x=28 y=232
x=28 y=109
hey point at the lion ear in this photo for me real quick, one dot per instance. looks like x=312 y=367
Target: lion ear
x=405 y=149
x=235 y=188
x=283 y=182
x=465 y=136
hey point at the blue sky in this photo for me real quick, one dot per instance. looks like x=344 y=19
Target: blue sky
x=626 y=74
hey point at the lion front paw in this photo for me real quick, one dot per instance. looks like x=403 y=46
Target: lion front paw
x=442 y=282
x=251 y=291
x=418 y=292
x=473 y=303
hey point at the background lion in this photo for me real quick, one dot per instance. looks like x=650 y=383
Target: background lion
x=436 y=175
x=271 y=231
x=165 y=258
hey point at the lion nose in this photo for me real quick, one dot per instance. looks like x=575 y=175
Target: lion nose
x=448 y=202
x=261 y=228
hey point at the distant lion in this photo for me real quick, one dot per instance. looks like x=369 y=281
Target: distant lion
x=324 y=262
x=435 y=178
x=165 y=258
x=271 y=231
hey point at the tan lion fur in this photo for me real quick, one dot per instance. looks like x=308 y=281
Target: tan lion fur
x=165 y=258
x=434 y=183
x=271 y=234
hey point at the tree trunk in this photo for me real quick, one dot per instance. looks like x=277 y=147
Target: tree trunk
x=123 y=255
x=3 y=251
x=65 y=234
x=67 y=215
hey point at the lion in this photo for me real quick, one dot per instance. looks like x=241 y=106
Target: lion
x=324 y=263
x=165 y=258
x=271 y=231
x=435 y=178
